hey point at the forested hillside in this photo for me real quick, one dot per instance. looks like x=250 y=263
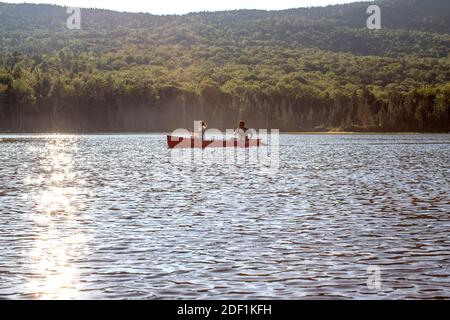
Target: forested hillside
x=303 y=69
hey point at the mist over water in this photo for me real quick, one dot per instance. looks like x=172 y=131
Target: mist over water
x=113 y=216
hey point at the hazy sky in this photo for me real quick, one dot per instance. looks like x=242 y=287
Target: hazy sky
x=185 y=6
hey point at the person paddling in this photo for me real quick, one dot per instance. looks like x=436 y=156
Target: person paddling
x=199 y=129
x=242 y=132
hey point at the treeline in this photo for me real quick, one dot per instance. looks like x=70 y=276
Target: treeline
x=105 y=103
x=303 y=69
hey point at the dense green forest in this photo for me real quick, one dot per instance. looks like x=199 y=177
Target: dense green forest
x=308 y=69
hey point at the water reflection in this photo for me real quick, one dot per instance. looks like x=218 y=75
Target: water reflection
x=110 y=216
x=60 y=241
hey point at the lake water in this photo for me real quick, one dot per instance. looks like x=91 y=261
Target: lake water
x=115 y=216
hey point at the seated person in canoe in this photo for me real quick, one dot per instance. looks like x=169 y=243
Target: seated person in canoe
x=199 y=130
x=243 y=133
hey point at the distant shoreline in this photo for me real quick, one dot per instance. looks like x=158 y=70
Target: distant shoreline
x=361 y=133
x=331 y=133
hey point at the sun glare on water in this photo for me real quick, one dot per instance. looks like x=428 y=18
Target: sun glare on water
x=60 y=241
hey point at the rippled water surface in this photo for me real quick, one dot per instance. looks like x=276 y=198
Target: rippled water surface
x=114 y=216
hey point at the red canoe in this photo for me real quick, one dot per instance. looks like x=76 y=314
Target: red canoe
x=180 y=142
